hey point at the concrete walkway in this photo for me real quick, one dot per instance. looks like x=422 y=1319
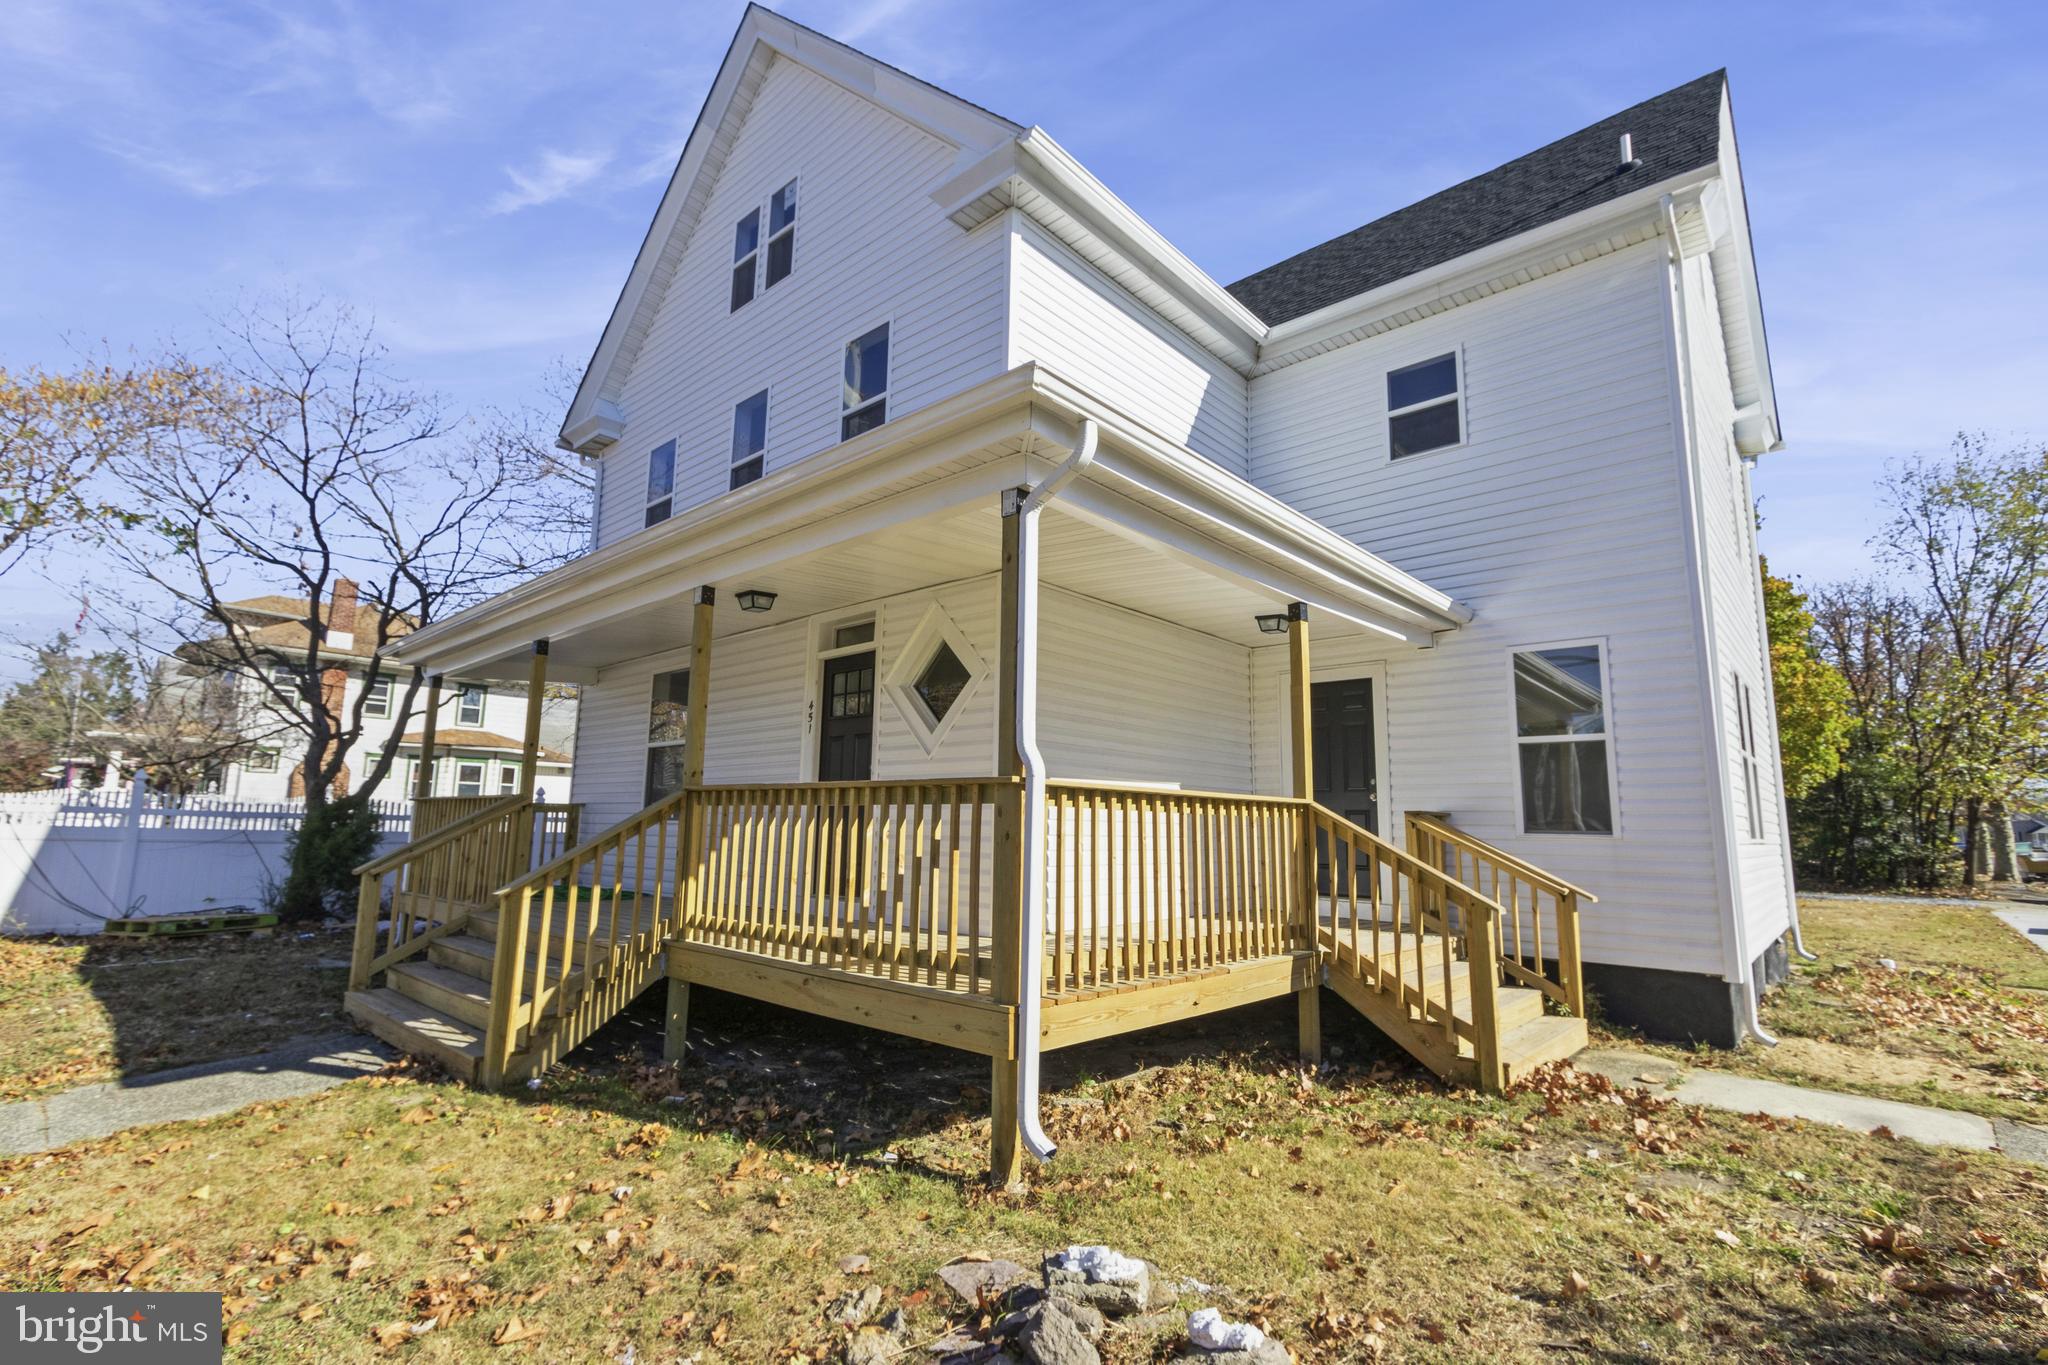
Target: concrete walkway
x=2032 y=924
x=188 y=1092
x=1748 y=1095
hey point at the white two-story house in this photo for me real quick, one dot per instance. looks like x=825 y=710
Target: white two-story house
x=1491 y=454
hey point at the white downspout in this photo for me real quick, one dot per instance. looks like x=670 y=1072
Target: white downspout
x=1738 y=927
x=1031 y=957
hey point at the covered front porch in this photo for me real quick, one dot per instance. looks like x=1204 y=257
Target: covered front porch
x=894 y=741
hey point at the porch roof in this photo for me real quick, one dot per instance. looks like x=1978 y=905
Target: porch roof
x=1151 y=525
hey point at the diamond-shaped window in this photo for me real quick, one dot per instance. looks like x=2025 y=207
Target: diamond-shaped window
x=939 y=684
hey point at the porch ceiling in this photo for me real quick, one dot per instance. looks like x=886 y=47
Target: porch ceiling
x=1151 y=527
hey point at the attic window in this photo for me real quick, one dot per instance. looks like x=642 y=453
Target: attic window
x=746 y=250
x=1423 y=403
x=781 y=234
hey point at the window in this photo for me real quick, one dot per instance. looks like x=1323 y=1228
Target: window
x=939 y=685
x=285 y=678
x=661 y=482
x=1422 y=406
x=1561 y=740
x=781 y=234
x=1752 y=769
x=749 y=438
x=469 y=705
x=508 y=781
x=864 y=404
x=746 y=250
x=377 y=698
x=931 y=677
x=261 y=761
x=668 y=722
x=469 y=779
x=846 y=637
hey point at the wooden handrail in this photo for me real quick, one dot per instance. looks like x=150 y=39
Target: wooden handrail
x=1528 y=871
x=443 y=835
x=553 y=869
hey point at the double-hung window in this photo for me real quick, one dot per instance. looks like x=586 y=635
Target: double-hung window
x=668 y=723
x=864 y=401
x=781 y=235
x=261 y=761
x=1561 y=740
x=469 y=706
x=1752 y=766
x=469 y=779
x=1423 y=406
x=746 y=253
x=749 y=438
x=377 y=699
x=661 y=482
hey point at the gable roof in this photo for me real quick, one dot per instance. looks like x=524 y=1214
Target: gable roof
x=1675 y=132
x=763 y=36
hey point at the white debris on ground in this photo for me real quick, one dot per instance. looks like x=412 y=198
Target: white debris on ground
x=1101 y=1265
x=1209 y=1330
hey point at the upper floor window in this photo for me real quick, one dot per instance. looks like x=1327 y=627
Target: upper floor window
x=781 y=234
x=864 y=403
x=1422 y=406
x=1752 y=764
x=661 y=482
x=261 y=761
x=746 y=252
x=469 y=706
x=1561 y=740
x=749 y=438
x=377 y=698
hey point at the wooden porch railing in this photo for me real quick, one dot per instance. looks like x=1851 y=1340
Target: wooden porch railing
x=886 y=879
x=1143 y=884
x=435 y=813
x=1529 y=899
x=427 y=889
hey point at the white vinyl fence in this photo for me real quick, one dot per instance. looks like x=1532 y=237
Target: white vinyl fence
x=70 y=860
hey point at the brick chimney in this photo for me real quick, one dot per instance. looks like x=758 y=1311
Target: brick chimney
x=341 y=615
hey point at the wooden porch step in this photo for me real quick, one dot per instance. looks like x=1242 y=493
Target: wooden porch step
x=412 y=1027
x=1545 y=1039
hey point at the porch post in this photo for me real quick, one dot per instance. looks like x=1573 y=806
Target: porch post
x=1309 y=1000
x=1005 y=1162
x=699 y=703
x=537 y=682
x=423 y=781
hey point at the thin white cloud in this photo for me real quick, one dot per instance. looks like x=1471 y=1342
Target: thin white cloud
x=555 y=175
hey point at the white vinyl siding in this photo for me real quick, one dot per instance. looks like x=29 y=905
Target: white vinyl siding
x=1073 y=319
x=871 y=245
x=1560 y=519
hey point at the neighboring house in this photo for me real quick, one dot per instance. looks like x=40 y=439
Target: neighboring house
x=1491 y=451
x=478 y=742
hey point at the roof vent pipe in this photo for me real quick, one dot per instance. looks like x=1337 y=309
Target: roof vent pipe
x=1628 y=152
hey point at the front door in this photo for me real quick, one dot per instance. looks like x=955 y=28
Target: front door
x=1341 y=729
x=846 y=731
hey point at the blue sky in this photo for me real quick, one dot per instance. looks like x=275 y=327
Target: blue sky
x=478 y=177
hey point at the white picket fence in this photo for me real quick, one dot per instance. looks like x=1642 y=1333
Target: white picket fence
x=70 y=860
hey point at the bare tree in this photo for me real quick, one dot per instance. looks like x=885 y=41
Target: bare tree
x=313 y=471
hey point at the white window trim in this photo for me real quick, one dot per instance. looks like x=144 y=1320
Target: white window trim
x=766 y=394
x=674 y=459
x=483 y=697
x=886 y=396
x=768 y=238
x=935 y=627
x=752 y=260
x=1749 y=752
x=1457 y=395
x=818 y=649
x=372 y=705
x=1610 y=727
x=482 y=773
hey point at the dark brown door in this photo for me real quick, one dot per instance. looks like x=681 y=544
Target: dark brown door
x=1346 y=761
x=846 y=730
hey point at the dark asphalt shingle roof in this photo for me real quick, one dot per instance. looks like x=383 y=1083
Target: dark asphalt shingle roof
x=1678 y=131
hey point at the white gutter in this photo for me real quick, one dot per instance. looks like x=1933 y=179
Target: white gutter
x=1031 y=957
x=1737 y=957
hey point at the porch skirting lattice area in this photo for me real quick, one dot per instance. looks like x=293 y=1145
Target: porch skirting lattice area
x=897 y=906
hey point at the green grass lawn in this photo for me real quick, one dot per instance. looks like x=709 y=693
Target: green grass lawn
x=73 y=1011
x=1960 y=1020
x=702 y=1214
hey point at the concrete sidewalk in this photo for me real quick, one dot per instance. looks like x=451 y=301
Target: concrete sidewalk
x=2032 y=924
x=188 y=1092
x=1858 y=1113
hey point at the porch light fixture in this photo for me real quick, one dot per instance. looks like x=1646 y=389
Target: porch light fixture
x=753 y=599
x=1276 y=624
